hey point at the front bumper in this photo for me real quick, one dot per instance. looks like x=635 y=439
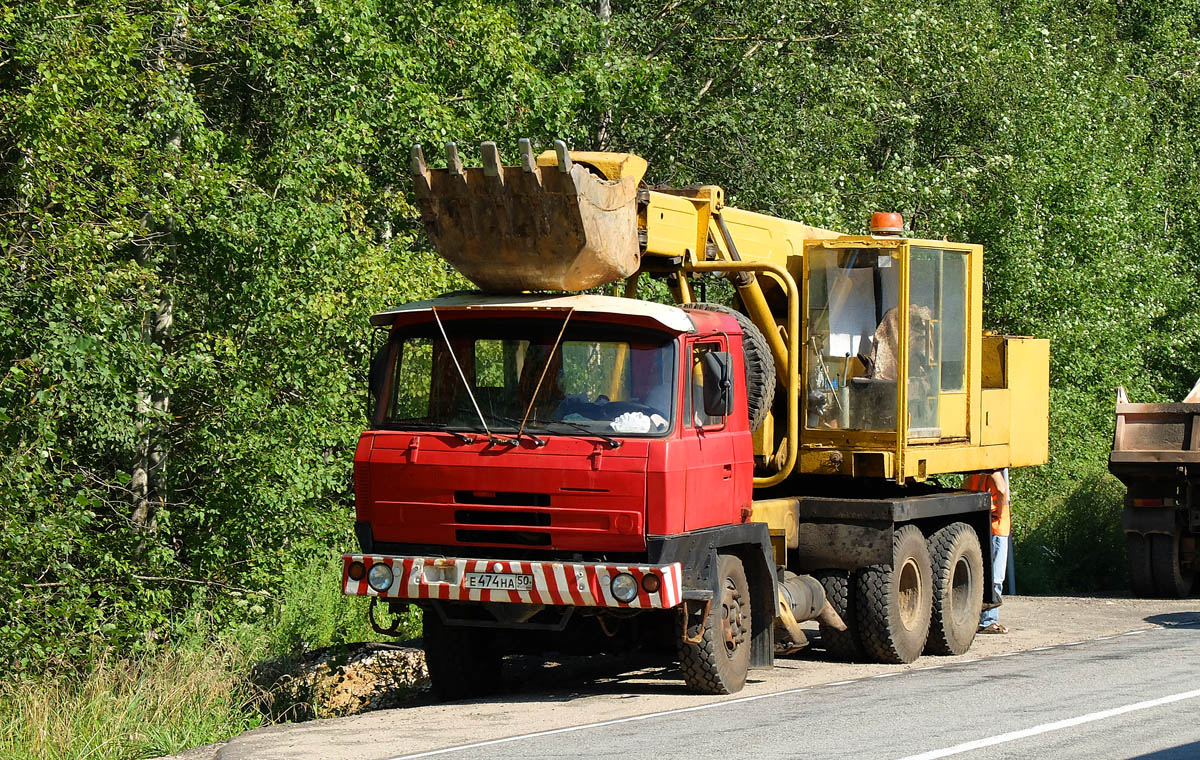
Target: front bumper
x=581 y=584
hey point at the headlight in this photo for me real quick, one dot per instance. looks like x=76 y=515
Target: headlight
x=624 y=587
x=380 y=577
x=651 y=583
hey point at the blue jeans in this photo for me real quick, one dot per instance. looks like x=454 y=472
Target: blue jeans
x=999 y=568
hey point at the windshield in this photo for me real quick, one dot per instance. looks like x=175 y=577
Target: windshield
x=594 y=382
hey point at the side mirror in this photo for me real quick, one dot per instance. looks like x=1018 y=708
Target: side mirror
x=718 y=383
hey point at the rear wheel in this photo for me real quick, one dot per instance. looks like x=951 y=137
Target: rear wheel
x=957 y=563
x=463 y=662
x=719 y=662
x=1141 y=577
x=841 y=645
x=895 y=602
x=1166 y=562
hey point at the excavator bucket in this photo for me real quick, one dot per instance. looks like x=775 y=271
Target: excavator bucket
x=548 y=224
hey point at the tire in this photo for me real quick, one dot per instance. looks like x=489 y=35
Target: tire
x=463 y=662
x=760 y=366
x=840 y=645
x=894 y=602
x=1170 y=580
x=720 y=662
x=957 y=564
x=1141 y=577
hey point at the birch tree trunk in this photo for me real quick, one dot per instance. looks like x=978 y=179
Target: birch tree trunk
x=604 y=13
x=148 y=482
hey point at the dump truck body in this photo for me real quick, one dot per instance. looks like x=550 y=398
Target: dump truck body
x=1156 y=454
x=559 y=471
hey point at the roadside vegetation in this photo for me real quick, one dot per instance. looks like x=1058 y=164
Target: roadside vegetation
x=201 y=203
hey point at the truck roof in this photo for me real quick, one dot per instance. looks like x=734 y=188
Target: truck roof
x=667 y=317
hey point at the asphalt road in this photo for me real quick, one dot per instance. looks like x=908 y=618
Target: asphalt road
x=1077 y=677
x=1130 y=695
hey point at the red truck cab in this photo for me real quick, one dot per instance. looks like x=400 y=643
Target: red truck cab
x=532 y=457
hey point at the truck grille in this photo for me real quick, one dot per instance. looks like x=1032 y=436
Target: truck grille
x=514 y=538
x=485 y=517
x=503 y=498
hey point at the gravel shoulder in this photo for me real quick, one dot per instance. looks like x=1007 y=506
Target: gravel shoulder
x=587 y=690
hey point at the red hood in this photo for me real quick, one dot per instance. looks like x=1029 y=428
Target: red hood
x=573 y=494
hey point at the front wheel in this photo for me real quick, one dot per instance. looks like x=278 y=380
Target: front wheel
x=720 y=659
x=463 y=662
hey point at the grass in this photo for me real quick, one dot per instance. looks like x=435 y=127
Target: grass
x=195 y=691
x=183 y=697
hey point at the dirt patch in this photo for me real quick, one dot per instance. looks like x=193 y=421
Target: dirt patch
x=339 y=681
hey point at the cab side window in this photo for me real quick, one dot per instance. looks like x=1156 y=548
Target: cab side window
x=696 y=416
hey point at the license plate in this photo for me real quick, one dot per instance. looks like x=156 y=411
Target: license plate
x=499 y=581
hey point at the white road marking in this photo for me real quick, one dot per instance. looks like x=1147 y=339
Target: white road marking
x=885 y=675
x=600 y=724
x=1038 y=649
x=1055 y=726
x=839 y=683
x=1133 y=633
x=1073 y=644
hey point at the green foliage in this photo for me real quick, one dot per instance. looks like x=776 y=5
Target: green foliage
x=1072 y=538
x=315 y=614
x=244 y=163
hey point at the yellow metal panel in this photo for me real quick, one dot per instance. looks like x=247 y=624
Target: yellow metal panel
x=950 y=458
x=671 y=225
x=780 y=517
x=996 y=415
x=995 y=370
x=764 y=437
x=613 y=166
x=1029 y=383
x=952 y=414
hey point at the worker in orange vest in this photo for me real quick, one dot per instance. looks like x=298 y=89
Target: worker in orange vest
x=995 y=482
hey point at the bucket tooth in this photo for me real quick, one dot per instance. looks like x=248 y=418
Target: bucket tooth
x=564 y=157
x=453 y=162
x=419 y=170
x=528 y=164
x=491 y=160
x=418 y=161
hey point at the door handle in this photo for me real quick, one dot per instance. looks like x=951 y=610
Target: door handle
x=727 y=471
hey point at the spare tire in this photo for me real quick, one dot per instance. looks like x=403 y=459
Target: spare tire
x=760 y=366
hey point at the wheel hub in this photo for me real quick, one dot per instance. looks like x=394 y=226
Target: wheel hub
x=733 y=618
x=909 y=593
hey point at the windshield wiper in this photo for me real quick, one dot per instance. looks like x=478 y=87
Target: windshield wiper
x=613 y=443
x=433 y=426
x=537 y=440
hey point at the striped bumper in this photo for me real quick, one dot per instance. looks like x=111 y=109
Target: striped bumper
x=583 y=584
